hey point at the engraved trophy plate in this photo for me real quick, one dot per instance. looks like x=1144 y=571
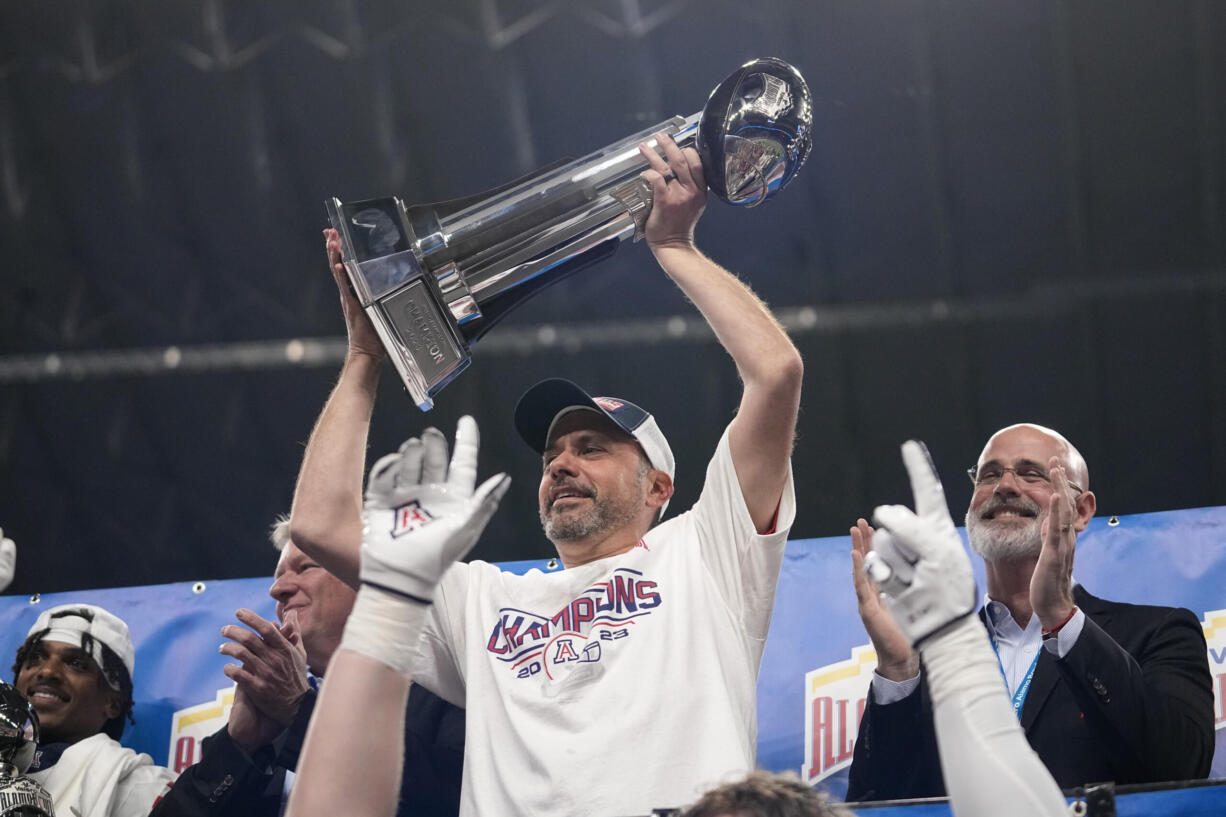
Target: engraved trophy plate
x=435 y=277
x=22 y=797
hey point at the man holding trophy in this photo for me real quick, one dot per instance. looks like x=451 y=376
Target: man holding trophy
x=647 y=703
x=434 y=278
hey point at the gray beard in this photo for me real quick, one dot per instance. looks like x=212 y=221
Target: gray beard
x=999 y=545
x=572 y=527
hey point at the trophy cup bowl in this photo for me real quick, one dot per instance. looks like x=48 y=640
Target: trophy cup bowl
x=436 y=277
x=19 y=795
x=755 y=131
x=18 y=729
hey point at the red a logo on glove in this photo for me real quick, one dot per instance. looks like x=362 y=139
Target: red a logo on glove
x=409 y=517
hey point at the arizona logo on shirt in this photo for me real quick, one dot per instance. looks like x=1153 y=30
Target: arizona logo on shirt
x=409 y=517
x=558 y=644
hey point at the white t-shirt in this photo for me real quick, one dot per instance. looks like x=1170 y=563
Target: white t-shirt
x=97 y=777
x=617 y=686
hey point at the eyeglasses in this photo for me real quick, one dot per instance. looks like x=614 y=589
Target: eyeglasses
x=1029 y=473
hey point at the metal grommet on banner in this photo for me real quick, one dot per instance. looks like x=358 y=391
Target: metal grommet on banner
x=552 y=564
x=35 y=599
x=1113 y=522
x=198 y=588
x=1077 y=808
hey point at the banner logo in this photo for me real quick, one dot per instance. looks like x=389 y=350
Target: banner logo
x=189 y=727
x=834 y=704
x=1214 y=625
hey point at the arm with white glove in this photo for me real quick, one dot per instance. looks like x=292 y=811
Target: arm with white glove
x=919 y=563
x=420 y=516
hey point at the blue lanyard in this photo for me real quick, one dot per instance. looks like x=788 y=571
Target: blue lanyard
x=1019 y=695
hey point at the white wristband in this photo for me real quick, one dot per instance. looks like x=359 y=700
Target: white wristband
x=384 y=626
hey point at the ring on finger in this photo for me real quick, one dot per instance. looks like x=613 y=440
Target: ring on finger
x=669 y=177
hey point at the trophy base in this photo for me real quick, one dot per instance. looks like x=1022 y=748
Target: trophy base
x=419 y=341
x=400 y=295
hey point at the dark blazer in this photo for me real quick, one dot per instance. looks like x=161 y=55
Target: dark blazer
x=227 y=782
x=1132 y=702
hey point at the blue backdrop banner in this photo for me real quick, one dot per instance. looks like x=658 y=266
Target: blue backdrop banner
x=814 y=675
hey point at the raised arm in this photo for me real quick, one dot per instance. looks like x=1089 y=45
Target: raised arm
x=1157 y=698
x=351 y=761
x=769 y=365
x=326 y=520
x=919 y=561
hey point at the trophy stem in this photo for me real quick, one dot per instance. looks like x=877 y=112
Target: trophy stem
x=572 y=209
x=560 y=190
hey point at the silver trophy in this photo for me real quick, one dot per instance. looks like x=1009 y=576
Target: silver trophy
x=19 y=795
x=435 y=277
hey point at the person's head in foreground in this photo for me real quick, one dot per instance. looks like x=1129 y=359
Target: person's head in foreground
x=765 y=794
x=75 y=668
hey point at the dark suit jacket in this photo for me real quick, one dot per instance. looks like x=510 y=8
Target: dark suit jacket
x=227 y=782
x=1132 y=702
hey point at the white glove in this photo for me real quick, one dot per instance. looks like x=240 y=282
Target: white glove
x=918 y=559
x=8 y=561
x=420 y=516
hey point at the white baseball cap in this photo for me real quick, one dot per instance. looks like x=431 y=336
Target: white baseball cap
x=70 y=623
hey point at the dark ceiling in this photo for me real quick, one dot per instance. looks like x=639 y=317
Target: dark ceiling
x=1013 y=211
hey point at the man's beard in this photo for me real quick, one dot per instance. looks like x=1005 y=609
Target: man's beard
x=1000 y=544
x=600 y=515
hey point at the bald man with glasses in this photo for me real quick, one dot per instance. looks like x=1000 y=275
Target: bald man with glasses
x=1105 y=691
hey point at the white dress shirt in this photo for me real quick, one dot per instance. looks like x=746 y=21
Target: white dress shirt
x=1016 y=649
